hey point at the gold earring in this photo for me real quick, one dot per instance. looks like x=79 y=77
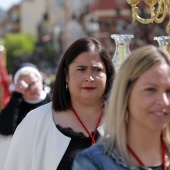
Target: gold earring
x=66 y=86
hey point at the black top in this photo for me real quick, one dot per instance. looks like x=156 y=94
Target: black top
x=158 y=167
x=78 y=142
x=15 y=111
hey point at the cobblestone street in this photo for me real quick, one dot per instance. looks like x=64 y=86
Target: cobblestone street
x=4 y=145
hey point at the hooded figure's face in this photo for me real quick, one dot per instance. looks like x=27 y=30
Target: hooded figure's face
x=35 y=86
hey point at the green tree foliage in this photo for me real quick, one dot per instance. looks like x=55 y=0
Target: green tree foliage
x=17 y=45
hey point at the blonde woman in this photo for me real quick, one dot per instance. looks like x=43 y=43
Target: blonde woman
x=137 y=122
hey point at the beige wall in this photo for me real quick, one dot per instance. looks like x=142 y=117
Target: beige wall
x=31 y=14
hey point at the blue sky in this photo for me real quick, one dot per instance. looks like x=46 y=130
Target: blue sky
x=6 y=4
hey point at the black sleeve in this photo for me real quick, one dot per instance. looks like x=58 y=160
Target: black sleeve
x=9 y=115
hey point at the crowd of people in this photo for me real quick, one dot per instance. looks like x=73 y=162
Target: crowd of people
x=96 y=119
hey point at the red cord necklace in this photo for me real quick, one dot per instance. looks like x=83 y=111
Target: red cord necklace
x=98 y=122
x=141 y=163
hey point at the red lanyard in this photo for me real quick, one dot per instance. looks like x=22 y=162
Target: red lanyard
x=95 y=131
x=141 y=163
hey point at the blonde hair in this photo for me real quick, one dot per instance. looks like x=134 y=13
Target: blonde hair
x=139 y=61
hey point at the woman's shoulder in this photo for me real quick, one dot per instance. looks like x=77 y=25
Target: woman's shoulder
x=41 y=110
x=98 y=156
x=94 y=158
x=39 y=114
x=94 y=152
x=36 y=120
x=96 y=149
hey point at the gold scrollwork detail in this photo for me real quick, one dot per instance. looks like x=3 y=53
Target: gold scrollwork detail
x=158 y=11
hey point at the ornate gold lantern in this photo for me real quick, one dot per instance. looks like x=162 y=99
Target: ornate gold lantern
x=158 y=11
